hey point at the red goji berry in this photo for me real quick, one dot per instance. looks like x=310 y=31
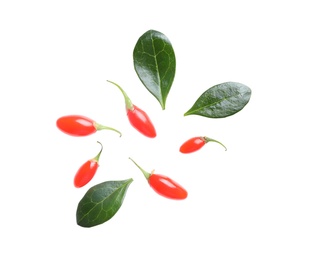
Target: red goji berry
x=137 y=117
x=196 y=143
x=164 y=185
x=77 y=125
x=87 y=171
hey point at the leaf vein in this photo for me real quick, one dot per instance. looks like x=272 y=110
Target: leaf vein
x=213 y=104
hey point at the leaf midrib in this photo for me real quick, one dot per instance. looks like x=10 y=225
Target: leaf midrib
x=157 y=69
x=212 y=104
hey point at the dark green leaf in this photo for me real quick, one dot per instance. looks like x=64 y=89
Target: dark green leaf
x=155 y=64
x=101 y=202
x=221 y=100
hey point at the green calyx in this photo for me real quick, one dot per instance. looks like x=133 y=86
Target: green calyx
x=207 y=139
x=145 y=173
x=103 y=127
x=129 y=105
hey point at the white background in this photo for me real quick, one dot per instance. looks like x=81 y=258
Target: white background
x=253 y=201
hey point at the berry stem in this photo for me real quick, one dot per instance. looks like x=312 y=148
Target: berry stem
x=145 y=173
x=102 y=127
x=128 y=102
x=97 y=157
x=207 y=139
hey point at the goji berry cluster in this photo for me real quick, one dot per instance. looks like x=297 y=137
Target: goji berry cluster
x=78 y=125
x=212 y=103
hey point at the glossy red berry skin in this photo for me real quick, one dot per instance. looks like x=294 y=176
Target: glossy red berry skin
x=76 y=125
x=85 y=173
x=141 y=121
x=137 y=117
x=192 y=145
x=166 y=187
x=195 y=143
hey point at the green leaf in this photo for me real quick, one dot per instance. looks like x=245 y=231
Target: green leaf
x=155 y=64
x=221 y=100
x=101 y=202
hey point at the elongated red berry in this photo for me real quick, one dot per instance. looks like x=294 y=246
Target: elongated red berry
x=87 y=171
x=77 y=125
x=141 y=121
x=196 y=143
x=164 y=185
x=138 y=118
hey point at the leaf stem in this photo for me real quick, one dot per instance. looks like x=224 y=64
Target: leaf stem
x=128 y=102
x=145 y=173
x=207 y=139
